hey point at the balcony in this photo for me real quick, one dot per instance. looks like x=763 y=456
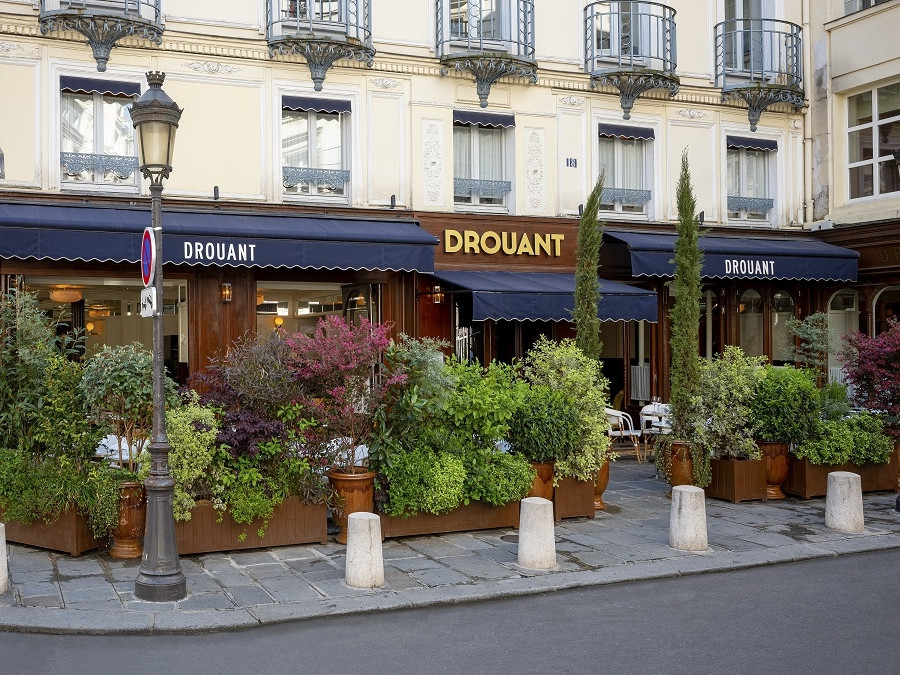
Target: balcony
x=98 y=168
x=103 y=22
x=314 y=180
x=321 y=31
x=759 y=61
x=488 y=38
x=630 y=46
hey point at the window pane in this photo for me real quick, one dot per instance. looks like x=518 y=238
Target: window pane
x=328 y=141
x=889 y=101
x=118 y=132
x=861 y=145
x=861 y=181
x=888 y=138
x=859 y=109
x=734 y=173
x=632 y=163
x=607 y=161
x=756 y=174
x=462 y=152
x=77 y=123
x=750 y=320
x=294 y=138
x=782 y=310
x=890 y=178
x=490 y=156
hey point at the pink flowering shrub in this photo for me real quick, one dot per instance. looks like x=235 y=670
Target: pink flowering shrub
x=336 y=368
x=872 y=365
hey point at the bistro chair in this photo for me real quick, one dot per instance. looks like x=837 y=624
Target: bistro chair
x=622 y=434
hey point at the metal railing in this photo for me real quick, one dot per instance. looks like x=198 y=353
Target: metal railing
x=74 y=163
x=629 y=36
x=494 y=189
x=148 y=10
x=336 y=179
x=758 y=51
x=624 y=196
x=485 y=26
x=750 y=204
x=350 y=19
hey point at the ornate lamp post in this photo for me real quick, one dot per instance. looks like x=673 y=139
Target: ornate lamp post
x=155 y=117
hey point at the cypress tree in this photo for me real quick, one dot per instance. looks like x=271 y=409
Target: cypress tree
x=587 y=286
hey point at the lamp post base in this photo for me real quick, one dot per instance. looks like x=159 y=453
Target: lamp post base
x=167 y=588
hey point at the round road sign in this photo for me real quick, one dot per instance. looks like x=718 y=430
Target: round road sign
x=148 y=257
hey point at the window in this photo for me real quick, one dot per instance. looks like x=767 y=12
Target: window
x=873 y=134
x=843 y=319
x=750 y=323
x=479 y=158
x=782 y=341
x=743 y=48
x=622 y=153
x=96 y=133
x=478 y=20
x=618 y=31
x=748 y=167
x=313 y=152
x=851 y=6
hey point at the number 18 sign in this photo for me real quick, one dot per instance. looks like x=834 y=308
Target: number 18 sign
x=148 y=257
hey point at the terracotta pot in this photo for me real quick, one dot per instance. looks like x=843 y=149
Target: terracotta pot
x=128 y=537
x=356 y=492
x=600 y=486
x=682 y=468
x=543 y=482
x=776 y=456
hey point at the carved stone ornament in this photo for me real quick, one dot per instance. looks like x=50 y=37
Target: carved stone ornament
x=433 y=162
x=385 y=82
x=211 y=67
x=691 y=113
x=571 y=100
x=535 y=173
x=16 y=49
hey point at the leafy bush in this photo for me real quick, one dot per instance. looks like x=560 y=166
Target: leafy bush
x=871 y=367
x=501 y=479
x=832 y=444
x=859 y=439
x=424 y=480
x=545 y=426
x=833 y=401
x=728 y=384
x=870 y=443
x=562 y=366
x=785 y=408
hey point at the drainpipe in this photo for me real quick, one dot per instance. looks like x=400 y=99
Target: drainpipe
x=807 y=124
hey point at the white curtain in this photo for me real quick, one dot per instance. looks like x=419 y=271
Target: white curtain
x=756 y=173
x=490 y=154
x=77 y=123
x=606 y=154
x=118 y=131
x=294 y=138
x=328 y=141
x=462 y=152
x=632 y=163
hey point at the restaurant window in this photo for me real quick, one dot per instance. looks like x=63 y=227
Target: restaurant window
x=314 y=154
x=873 y=134
x=96 y=133
x=782 y=309
x=843 y=319
x=750 y=323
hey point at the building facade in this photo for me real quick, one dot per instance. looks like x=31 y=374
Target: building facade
x=420 y=163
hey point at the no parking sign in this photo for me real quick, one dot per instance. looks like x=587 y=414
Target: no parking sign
x=148 y=256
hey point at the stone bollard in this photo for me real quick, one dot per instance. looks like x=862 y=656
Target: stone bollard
x=843 y=502
x=365 y=562
x=4 y=567
x=537 y=536
x=687 y=521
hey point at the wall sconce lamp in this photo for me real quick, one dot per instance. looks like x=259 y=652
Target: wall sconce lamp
x=89 y=327
x=226 y=293
x=279 y=321
x=437 y=295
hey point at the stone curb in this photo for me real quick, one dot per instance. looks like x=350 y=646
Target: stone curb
x=105 y=622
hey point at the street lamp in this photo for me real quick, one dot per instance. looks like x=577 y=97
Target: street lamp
x=155 y=117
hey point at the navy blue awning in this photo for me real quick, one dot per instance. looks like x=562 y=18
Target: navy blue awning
x=483 y=119
x=735 y=142
x=88 y=85
x=734 y=257
x=623 y=131
x=212 y=238
x=325 y=105
x=536 y=296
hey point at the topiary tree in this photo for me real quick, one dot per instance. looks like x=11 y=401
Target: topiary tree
x=587 y=286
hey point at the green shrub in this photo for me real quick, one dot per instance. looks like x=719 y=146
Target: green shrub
x=501 y=479
x=859 y=439
x=785 y=407
x=833 y=401
x=870 y=443
x=545 y=426
x=424 y=480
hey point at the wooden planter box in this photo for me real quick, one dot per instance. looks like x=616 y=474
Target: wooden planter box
x=69 y=533
x=573 y=499
x=737 y=480
x=292 y=522
x=473 y=516
x=807 y=480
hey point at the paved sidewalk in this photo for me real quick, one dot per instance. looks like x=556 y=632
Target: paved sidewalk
x=52 y=592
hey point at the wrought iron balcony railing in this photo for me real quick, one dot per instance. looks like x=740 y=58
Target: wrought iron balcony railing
x=321 y=31
x=488 y=38
x=750 y=204
x=493 y=189
x=761 y=62
x=630 y=46
x=624 y=196
x=333 y=179
x=122 y=167
x=103 y=22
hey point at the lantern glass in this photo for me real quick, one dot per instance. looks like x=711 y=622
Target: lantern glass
x=156 y=141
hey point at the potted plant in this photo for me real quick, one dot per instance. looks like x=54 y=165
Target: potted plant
x=785 y=410
x=336 y=368
x=565 y=368
x=728 y=384
x=544 y=428
x=681 y=460
x=871 y=367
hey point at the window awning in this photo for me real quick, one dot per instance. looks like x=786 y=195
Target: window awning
x=623 y=131
x=483 y=119
x=736 y=142
x=210 y=238
x=536 y=296
x=306 y=103
x=734 y=257
x=87 y=85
